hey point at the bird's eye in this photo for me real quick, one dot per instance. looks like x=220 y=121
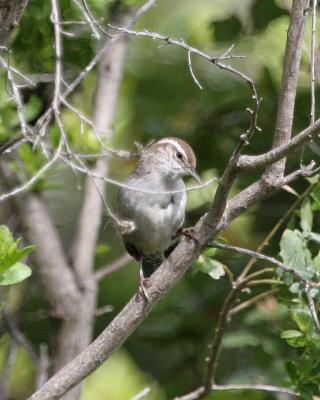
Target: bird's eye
x=179 y=155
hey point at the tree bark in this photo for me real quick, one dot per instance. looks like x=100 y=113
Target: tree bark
x=10 y=13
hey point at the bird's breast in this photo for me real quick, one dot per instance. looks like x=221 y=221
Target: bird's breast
x=157 y=217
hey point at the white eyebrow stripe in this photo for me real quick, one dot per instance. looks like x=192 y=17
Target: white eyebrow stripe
x=174 y=144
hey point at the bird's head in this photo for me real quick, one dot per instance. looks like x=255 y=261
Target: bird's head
x=173 y=158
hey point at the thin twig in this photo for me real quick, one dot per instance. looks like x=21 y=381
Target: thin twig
x=312 y=307
x=246 y=304
x=17 y=335
x=26 y=185
x=144 y=392
x=112 y=267
x=17 y=98
x=191 y=71
x=134 y=188
x=263 y=257
x=198 y=393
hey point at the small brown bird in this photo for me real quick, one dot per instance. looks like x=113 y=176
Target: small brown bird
x=157 y=216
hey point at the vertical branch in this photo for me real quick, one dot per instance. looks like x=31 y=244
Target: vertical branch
x=312 y=62
x=58 y=53
x=288 y=89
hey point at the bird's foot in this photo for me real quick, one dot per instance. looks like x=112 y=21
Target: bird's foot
x=190 y=233
x=144 y=284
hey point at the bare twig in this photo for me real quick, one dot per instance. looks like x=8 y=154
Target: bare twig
x=113 y=266
x=28 y=184
x=312 y=307
x=17 y=98
x=198 y=393
x=263 y=257
x=43 y=366
x=17 y=335
x=144 y=392
x=85 y=12
x=307 y=284
x=246 y=304
x=191 y=71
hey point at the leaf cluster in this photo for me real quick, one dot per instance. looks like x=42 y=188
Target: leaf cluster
x=12 y=270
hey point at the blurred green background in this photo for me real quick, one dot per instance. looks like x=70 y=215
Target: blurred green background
x=159 y=98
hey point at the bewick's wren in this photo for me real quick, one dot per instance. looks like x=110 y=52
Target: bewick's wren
x=157 y=217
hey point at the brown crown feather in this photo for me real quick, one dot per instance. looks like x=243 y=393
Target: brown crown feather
x=191 y=158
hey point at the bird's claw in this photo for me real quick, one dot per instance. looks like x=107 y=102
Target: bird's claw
x=144 y=284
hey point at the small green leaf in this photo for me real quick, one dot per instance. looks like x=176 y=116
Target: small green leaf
x=303 y=320
x=217 y=270
x=211 y=252
x=14 y=257
x=294 y=251
x=294 y=338
x=15 y=274
x=289 y=334
x=213 y=268
x=239 y=339
x=102 y=249
x=306 y=216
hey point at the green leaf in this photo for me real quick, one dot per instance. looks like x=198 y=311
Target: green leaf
x=15 y=274
x=303 y=320
x=239 y=339
x=14 y=257
x=211 y=252
x=213 y=268
x=291 y=333
x=102 y=249
x=294 y=338
x=294 y=251
x=217 y=270
x=10 y=254
x=315 y=237
x=306 y=217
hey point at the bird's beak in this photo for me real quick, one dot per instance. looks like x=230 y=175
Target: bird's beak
x=194 y=174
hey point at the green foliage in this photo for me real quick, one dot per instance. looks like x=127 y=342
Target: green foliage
x=11 y=269
x=263 y=12
x=297 y=251
x=227 y=29
x=208 y=265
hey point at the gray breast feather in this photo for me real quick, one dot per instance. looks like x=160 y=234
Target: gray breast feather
x=157 y=217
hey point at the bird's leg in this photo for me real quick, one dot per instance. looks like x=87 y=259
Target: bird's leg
x=144 y=283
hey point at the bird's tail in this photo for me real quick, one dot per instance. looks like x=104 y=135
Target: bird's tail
x=150 y=262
